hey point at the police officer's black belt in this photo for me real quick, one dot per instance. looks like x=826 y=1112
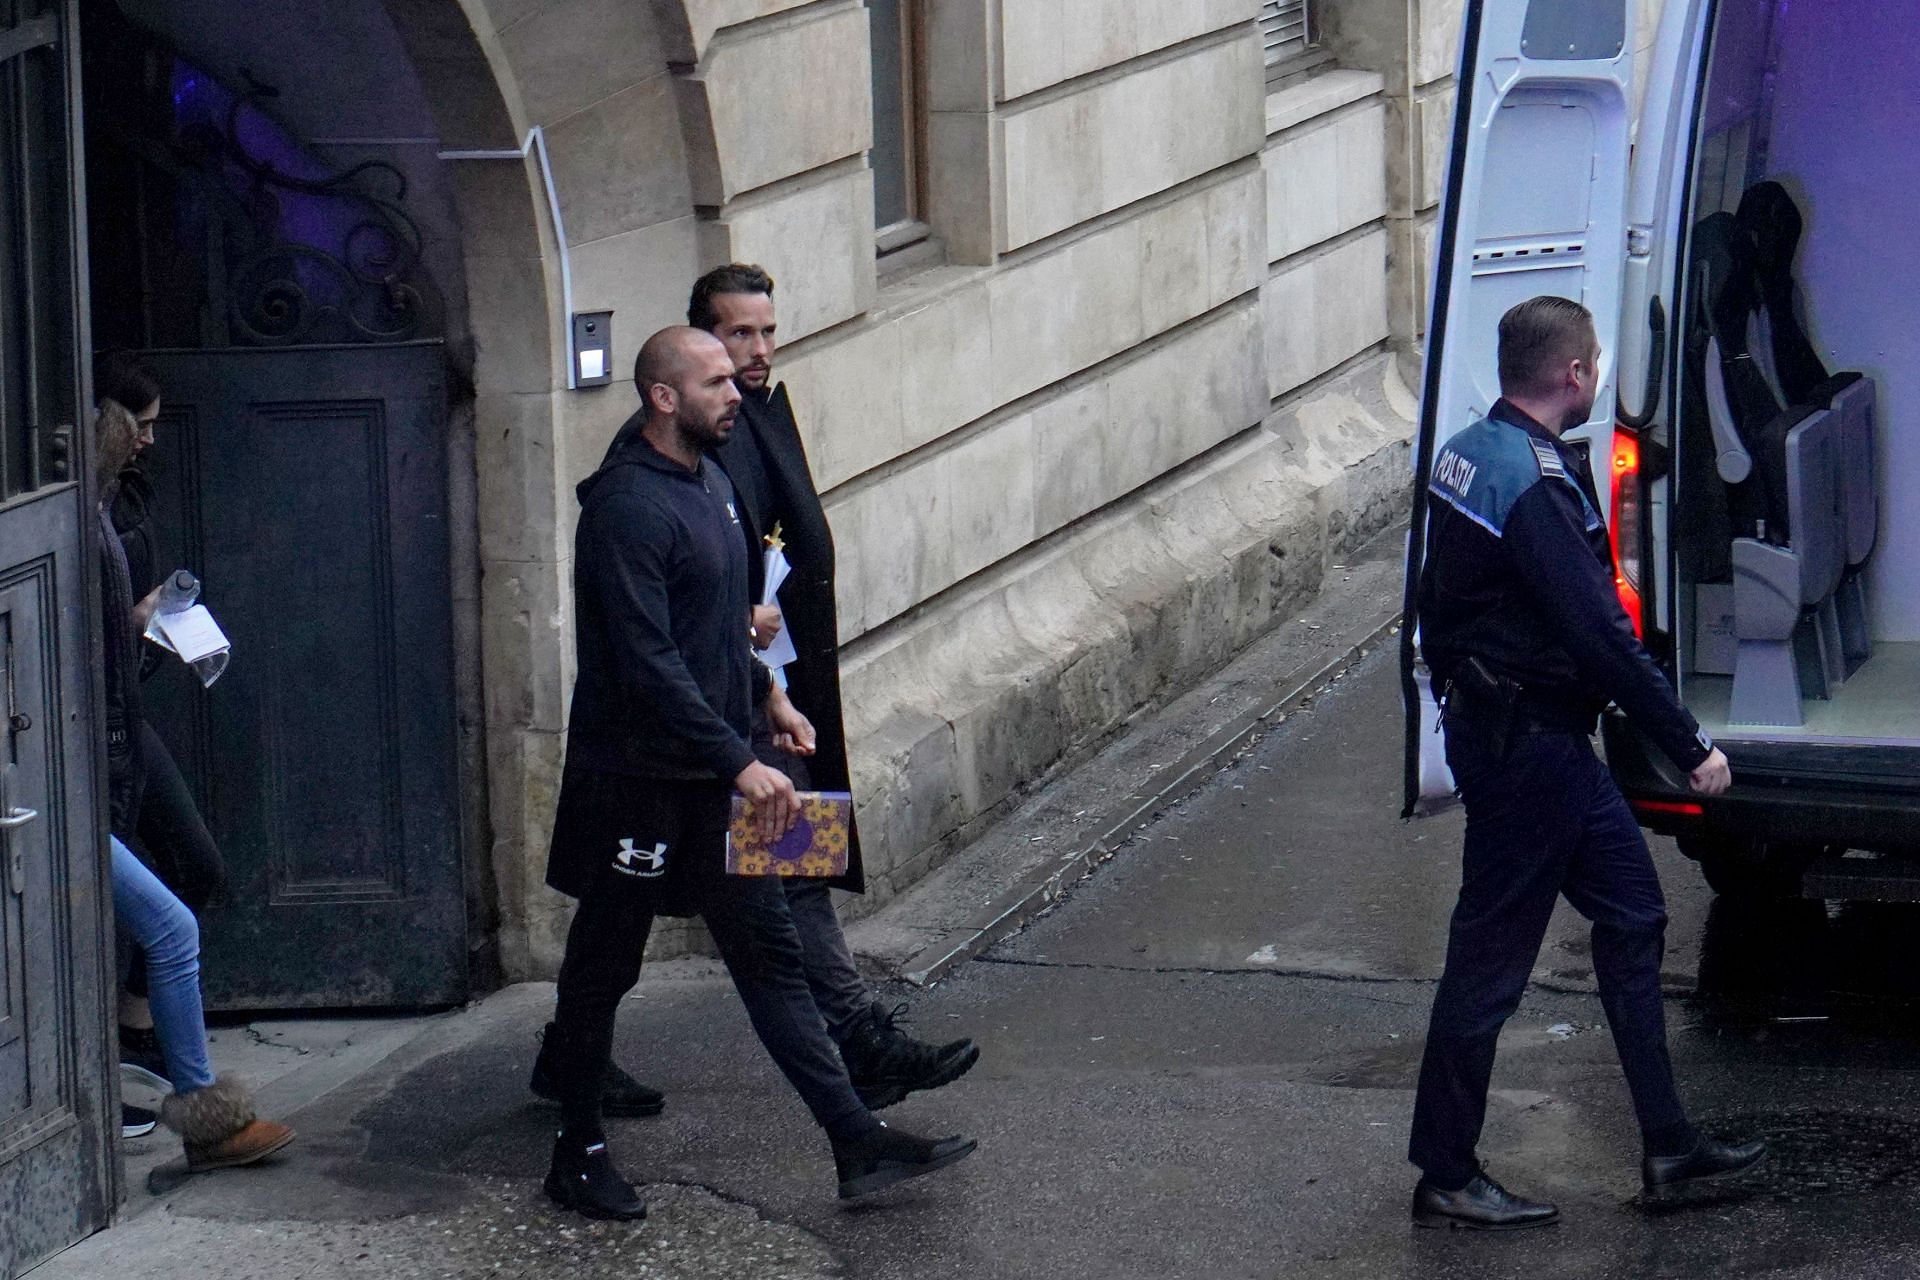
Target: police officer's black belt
x=1526 y=713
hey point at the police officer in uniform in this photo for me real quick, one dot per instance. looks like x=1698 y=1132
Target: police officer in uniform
x=1528 y=643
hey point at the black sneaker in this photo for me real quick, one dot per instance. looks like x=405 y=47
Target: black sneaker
x=620 y=1094
x=887 y=1156
x=137 y=1122
x=140 y=1057
x=586 y=1181
x=886 y=1064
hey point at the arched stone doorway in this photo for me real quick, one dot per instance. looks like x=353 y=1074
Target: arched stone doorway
x=275 y=230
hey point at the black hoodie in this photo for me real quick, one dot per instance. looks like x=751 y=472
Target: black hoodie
x=667 y=680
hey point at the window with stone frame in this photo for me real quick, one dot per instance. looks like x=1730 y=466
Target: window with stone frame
x=1290 y=33
x=899 y=129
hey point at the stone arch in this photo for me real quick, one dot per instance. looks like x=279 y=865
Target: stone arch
x=593 y=77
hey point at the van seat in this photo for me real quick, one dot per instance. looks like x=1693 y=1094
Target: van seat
x=1772 y=225
x=1855 y=398
x=1777 y=587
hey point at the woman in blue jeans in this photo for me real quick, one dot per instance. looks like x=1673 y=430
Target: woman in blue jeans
x=162 y=821
x=212 y=1114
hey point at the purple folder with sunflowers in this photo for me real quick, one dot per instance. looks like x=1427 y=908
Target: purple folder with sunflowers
x=816 y=846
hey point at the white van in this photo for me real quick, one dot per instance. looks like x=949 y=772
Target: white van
x=1753 y=260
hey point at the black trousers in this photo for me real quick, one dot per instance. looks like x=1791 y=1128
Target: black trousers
x=1544 y=819
x=171 y=834
x=754 y=932
x=172 y=838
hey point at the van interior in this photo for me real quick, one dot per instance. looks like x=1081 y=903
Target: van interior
x=1791 y=521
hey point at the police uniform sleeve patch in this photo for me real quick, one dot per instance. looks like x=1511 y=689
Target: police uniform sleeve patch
x=1554 y=467
x=1549 y=458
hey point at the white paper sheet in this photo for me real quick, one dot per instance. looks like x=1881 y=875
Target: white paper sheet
x=191 y=633
x=781 y=651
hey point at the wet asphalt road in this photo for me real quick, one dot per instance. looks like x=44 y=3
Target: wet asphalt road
x=1201 y=1063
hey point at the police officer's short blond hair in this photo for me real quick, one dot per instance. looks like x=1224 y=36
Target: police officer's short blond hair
x=1538 y=339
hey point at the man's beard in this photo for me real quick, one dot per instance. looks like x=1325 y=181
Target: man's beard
x=704 y=434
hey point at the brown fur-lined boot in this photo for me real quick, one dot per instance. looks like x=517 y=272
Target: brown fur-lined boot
x=219 y=1128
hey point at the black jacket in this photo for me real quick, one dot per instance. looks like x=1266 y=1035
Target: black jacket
x=1520 y=574
x=768 y=464
x=121 y=646
x=667 y=682
x=133 y=520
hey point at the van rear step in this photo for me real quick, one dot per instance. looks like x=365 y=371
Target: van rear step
x=1869 y=878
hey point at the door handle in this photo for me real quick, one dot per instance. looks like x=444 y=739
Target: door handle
x=1656 y=370
x=11 y=820
x=16 y=854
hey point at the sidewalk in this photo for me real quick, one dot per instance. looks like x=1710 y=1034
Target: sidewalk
x=421 y=1152
x=360 y=1194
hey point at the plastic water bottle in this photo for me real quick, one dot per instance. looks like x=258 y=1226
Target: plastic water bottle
x=178 y=593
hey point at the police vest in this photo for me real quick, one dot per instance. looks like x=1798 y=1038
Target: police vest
x=1483 y=471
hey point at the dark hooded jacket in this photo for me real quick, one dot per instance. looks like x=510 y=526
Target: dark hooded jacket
x=772 y=481
x=667 y=682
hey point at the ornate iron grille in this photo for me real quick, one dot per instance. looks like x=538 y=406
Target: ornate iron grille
x=222 y=229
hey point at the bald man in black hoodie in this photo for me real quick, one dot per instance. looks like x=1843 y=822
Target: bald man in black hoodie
x=656 y=746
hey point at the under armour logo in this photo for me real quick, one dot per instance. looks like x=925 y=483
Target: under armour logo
x=640 y=862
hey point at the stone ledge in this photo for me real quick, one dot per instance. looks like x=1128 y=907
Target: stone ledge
x=986 y=690
x=1318 y=95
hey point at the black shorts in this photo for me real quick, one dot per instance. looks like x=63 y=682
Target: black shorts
x=664 y=841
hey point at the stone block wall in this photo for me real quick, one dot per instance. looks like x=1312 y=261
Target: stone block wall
x=1114 y=429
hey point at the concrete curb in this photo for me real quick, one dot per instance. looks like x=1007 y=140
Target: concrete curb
x=1041 y=888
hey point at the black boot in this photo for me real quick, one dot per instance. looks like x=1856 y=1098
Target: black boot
x=583 y=1178
x=1710 y=1160
x=140 y=1057
x=621 y=1095
x=887 y=1156
x=885 y=1064
x=1481 y=1205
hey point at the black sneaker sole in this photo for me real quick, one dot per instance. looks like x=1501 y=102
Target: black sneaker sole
x=613 y=1110
x=562 y=1194
x=881 y=1094
x=890 y=1173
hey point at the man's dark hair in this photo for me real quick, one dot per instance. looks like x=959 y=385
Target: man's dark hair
x=735 y=277
x=126 y=382
x=1537 y=340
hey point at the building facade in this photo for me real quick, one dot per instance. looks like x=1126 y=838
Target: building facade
x=1099 y=316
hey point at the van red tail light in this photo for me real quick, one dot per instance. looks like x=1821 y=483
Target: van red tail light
x=1624 y=527
x=1670 y=808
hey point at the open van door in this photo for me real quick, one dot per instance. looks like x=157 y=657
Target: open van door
x=1536 y=202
